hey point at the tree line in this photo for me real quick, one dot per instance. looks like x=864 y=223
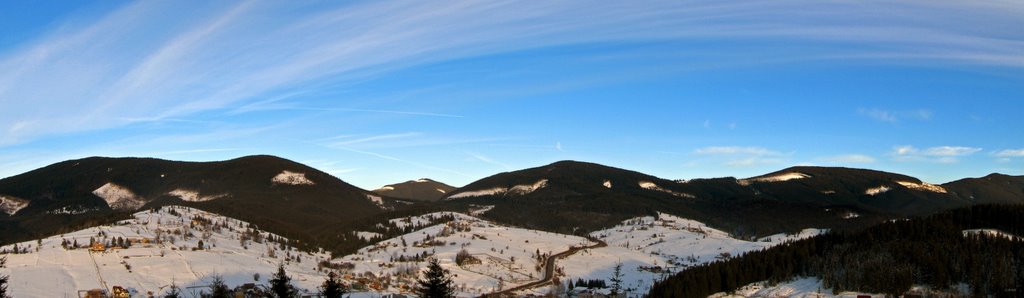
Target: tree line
x=887 y=258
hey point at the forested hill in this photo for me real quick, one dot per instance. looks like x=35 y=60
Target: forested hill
x=975 y=245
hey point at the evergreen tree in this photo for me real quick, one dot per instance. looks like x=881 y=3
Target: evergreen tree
x=436 y=282
x=3 y=279
x=174 y=292
x=332 y=287
x=281 y=284
x=617 y=279
x=218 y=289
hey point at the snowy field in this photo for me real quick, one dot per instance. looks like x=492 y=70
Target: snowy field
x=503 y=257
x=165 y=251
x=50 y=270
x=813 y=288
x=650 y=249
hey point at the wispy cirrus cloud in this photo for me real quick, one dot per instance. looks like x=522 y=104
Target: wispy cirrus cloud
x=894 y=116
x=349 y=141
x=849 y=159
x=1010 y=153
x=145 y=61
x=940 y=154
x=736 y=150
x=740 y=156
x=488 y=160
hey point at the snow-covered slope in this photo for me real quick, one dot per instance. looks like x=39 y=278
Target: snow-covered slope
x=651 y=248
x=193 y=196
x=119 y=197
x=521 y=189
x=990 y=233
x=496 y=257
x=648 y=248
x=774 y=178
x=164 y=251
x=874 y=191
x=922 y=186
x=11 y=205
x=504 y=256
x=651 y=186
x=291 y=178
x=797 y=288
x=813 y=288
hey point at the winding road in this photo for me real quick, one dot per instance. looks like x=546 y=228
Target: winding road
x=549 y=270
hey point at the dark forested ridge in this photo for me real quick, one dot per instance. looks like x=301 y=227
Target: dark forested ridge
x=566 y=196
x=580 y=196
x=417 y=190
x=60 y=196
x=887 y=258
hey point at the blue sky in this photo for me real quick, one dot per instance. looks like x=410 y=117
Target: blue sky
x=379 y=92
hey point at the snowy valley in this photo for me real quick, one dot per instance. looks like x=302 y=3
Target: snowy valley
x=188 y=248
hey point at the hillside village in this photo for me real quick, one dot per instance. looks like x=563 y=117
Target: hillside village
x=188 y=248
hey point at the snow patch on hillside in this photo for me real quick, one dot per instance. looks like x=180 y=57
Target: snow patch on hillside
x=11 y=205
x=367 y=235
x=479 y=193
x=291 y=178
x=607 y=184
x=922 y=186
x=800 y=288
x=651 y=186
x=528 y=188
x=119 y=197
x=193 y=196
x=387 y=188
x=775 y=178
x=440 y=190
x=164 y=249
x=377 y=200
x=990 y=233
x=521 y=189
x=477 y=210
x=71 y=210
x=877 y=190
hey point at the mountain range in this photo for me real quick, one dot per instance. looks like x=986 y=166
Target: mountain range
x=301 y=202
x=422 y=189
x=274 y=193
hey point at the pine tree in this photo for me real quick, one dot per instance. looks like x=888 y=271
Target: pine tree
x=281 y=284
x=174 y=292
x=332 y=287
x=617 y=279
x=3 y=279
x=436 y=282
x=218 y=289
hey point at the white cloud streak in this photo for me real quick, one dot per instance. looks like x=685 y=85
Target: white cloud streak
x=1010 y=153
x=376 y=138
x=947 y=151
x=144 y=61
x=849 y=159
x=736 y=150
x=488 y=160
x=742 y=157
x=894 y=116
x=939 y=154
